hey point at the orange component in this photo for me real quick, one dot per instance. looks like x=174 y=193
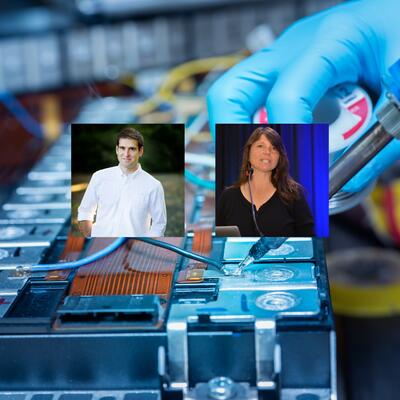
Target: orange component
x=202 y=244
x=195 y=275
x=202 y=241
x=192 y=273
x=135 y=268
x=72 y=250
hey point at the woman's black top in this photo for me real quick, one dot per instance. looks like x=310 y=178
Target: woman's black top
x=274 y=218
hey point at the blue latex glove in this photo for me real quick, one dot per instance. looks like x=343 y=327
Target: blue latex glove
x=353 y=42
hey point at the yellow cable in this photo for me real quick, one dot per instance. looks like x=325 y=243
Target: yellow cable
x=182 y=72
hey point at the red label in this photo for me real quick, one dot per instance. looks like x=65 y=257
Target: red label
x=263 y=116
x=359 y=108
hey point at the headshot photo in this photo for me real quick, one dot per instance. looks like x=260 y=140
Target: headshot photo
x=127 y=180
x=272 y=180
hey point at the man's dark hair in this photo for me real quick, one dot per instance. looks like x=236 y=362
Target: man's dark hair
x=131 y=133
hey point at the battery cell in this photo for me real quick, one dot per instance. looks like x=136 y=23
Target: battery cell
x=6 y=301
x=293 y=249
x=263 y=275
x=38 y=202
x=10 y=285
x=11 y=257
x=29 y=216
x=28 y=235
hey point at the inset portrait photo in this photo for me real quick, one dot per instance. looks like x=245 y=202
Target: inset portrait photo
x=272 y=180
x=127 y=180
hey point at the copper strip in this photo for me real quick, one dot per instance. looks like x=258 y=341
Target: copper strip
x=135 y=268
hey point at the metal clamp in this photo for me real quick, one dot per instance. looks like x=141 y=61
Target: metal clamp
x=178 y=354
x=267 y=353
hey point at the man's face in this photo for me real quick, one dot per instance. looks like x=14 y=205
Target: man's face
x=128 y=153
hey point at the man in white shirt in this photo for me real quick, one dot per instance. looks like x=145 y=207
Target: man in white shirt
x=123 y=200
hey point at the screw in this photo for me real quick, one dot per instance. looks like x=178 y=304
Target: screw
x=221 y=388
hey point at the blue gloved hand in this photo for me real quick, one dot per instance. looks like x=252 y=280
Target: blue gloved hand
x=353 y=42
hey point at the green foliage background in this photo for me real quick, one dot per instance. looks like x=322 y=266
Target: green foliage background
x=93 y=147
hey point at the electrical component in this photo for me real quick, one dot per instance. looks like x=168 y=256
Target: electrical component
x=375 y=139
x=347 y=108
x=262 y=246
x=104 y=312
x=133 y=305
x=182 y=252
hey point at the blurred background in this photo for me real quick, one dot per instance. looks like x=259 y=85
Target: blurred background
x=93 y=148
x=121 y=61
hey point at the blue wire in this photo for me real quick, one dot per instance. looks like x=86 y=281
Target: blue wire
x=113 y=246
x=21 y=114
x=180 y=251
x=79 y=263
x=192 y=178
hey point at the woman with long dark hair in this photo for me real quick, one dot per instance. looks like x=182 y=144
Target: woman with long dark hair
x=265 y=201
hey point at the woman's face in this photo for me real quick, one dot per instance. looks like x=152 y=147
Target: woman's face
x=263 y=155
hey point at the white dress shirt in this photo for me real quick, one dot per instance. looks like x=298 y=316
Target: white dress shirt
x=124 y=204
